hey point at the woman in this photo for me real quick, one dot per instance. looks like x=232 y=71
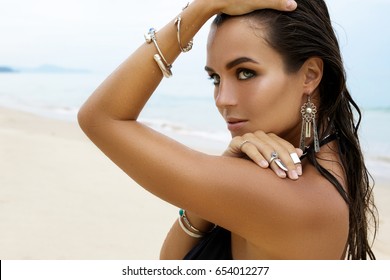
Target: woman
x=279 y=84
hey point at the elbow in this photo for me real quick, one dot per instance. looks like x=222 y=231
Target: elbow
x=93 y=121
x=88 y=119
x=83 y=118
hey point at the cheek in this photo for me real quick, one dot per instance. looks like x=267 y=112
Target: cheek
x=275 y=106
x=266 y=94
x=283 y=91
x=288 y=108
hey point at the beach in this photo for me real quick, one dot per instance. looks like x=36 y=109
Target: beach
x=61 y=198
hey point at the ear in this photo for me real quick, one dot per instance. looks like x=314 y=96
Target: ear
x=313 y=70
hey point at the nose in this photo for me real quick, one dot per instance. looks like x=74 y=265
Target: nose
x=225 y=95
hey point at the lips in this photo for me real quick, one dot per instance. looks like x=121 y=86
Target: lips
x=235 y=124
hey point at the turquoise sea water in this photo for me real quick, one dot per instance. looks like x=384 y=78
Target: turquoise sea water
x=182 y=106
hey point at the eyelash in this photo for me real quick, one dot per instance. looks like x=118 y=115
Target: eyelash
x=215 y=78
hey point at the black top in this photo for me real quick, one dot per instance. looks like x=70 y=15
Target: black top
x=214 y=246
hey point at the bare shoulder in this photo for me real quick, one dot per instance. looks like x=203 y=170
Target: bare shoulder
x=313 y=222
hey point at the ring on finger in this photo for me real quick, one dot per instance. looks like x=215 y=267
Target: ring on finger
x=274 y=155
x=295 y=158
x=243 y=143
x=280 y=164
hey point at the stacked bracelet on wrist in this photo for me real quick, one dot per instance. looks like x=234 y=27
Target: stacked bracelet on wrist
x=188 y=228
x=178 y=25
x=162 y=63
x=190 y=43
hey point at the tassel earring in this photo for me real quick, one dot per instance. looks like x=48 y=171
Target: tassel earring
x=308 y=111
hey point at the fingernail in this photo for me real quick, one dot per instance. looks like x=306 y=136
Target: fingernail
x=281 y=174
x=299 y=170
x=294 y=175
x=291 y=5
x=264 y=163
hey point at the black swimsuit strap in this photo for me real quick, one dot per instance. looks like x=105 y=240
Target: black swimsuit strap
x=327 y=139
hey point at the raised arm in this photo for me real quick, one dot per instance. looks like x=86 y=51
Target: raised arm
x=124 y=93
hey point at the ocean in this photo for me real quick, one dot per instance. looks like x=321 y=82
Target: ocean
x=181 y=107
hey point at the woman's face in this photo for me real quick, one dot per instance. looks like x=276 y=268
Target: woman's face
x=252 y=90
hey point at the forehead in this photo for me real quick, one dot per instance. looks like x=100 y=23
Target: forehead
x=239 y=37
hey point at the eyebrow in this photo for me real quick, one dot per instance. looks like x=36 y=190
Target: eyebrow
x=234 y=63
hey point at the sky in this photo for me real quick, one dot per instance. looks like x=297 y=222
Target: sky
x=98 y=34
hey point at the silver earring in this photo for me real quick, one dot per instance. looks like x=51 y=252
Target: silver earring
x=308 y=111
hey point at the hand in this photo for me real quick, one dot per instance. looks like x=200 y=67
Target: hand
x=240 y=7
x=259 y=146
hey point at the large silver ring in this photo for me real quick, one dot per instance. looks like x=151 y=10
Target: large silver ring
x=243 y=143
x=295 y=158
x=280 y=164
x=274 y=155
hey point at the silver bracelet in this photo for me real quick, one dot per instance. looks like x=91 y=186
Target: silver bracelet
x=190 y=43
x=162 y=63
x=190 y=233
x=183 y=215
x=166 y=71
x=189 y=228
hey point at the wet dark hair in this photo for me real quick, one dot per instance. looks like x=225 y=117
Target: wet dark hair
x=297 y=36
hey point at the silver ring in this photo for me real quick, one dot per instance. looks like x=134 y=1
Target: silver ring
x=274 y=155
x=280 y=164
x=295 y=158
x=243 y=143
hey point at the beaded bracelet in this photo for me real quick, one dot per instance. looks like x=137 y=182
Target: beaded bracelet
x=162 y=63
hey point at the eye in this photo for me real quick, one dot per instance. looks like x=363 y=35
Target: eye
x=215 y=79
x=245 y=74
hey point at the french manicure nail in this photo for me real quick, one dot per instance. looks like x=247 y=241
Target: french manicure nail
x=281 y=174
x=299 y=170
x=291 y=4
x=294 y=175
x=264 y=163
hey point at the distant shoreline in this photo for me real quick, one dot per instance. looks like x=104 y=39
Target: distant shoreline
x=45 y=68
x=6 y=69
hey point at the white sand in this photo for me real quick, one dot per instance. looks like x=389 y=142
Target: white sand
x=61 y=198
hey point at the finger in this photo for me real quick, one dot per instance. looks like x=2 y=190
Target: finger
x=297 y=161
x=291 y=5
x=282 y=5
x=274 y=164
x=259 y=146
x=237 y=9
x=288 y=157
x=266 y=146
x=233 y=150
x=252 y=151
x=299 y=167
x=289 y=160
x=299 y=152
